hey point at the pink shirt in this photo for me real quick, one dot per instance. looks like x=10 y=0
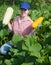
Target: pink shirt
x=23 y=28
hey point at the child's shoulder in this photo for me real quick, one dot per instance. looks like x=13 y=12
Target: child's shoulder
x=28 y=18
x=16 y=18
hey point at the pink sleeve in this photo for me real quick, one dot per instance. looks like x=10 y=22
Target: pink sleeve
x=15 y=20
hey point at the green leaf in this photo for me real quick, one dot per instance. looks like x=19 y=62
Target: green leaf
x=16 y=39
x=6 y=31
x=50 y=59
x=28 y=41
x=32 y=46
x=35 y=14
x=50 y=27
x=45 y=23
x=36 y=54
x=8 y=62
x=31 y=63
x=46 y=14
x=24 y=47
x=1 y=33
x=43 y=60
x=36 y=47
x=48 y=40
x=40 y=60
x=13 y=51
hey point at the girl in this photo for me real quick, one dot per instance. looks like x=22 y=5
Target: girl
x=22 y=24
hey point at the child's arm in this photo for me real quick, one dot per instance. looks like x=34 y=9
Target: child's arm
x=10 y=26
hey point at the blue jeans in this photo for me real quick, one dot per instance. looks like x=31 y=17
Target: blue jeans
x=5 y=48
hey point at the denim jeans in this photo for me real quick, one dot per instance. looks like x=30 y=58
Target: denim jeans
x=5 y=48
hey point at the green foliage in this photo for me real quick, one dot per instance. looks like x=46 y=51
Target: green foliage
x=31 y=50
x=16 y=39
x=35 y=14
x=27 y=63
x=32 y=46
